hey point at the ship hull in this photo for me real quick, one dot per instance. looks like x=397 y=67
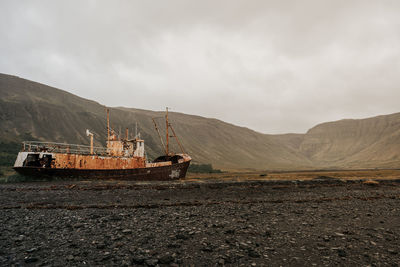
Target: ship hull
x=159 y=173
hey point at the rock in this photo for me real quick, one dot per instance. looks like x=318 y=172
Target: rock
x=151 y=262
x=32 y=250
x=125 y=263
x=106 y=256
x=127 y=231
x=100 y=246
x=243 y=245
x=20 y=238
x=181 y=236
x=93 y=216
x=229 y=259
x=116 y=238
x=230 y=231
x=341 y=252
x=115 y=218
x=173 y=245
x=78 y=225
x=267 y=233
x=253 y=253
x=166 y=259
x=138 y=259
x=70 y=257
x=73 y=245
x=31 y=260
x=207 y=249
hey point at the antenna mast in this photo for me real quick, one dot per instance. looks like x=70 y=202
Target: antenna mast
x=167 y=126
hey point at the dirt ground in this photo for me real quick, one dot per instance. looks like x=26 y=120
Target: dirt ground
x=323 y=220
x=384 y=174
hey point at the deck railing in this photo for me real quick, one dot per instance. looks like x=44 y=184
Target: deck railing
x=34 y=146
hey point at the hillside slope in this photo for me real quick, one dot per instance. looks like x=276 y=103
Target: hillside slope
x=371 y=142
x=49 y=114
x=30 y=110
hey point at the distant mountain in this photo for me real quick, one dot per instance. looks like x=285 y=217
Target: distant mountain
x=49 y=114
x=33 y=110
x=372 y=142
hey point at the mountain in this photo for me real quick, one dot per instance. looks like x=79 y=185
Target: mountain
x=369 y=143
x=30 y=110
x=48 y=114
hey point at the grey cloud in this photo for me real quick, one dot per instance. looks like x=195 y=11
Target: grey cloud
x=273 y=66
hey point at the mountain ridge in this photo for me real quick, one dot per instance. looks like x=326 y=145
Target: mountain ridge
x=51 y=114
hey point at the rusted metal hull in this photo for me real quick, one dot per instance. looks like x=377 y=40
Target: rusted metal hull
x=169 y=172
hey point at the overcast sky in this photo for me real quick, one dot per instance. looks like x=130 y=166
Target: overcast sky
x=272 y=66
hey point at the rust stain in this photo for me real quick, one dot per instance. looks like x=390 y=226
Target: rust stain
x=74 y=161
x=115 y=148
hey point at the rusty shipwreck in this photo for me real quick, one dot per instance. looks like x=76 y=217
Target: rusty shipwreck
x=123 y=158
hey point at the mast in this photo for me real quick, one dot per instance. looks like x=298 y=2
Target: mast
x=88 y=133
x=167 y=126
x=108 y=125
x=159 y=135
x=91 y=144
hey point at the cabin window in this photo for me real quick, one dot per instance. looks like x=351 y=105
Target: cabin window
x=32 y=160
x=46 y=161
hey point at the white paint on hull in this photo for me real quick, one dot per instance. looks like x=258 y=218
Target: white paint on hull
x=21 y=157
x=174 y=174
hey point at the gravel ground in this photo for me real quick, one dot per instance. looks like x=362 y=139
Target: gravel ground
x=201 y=224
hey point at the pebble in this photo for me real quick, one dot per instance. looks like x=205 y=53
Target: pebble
x=166 y=259
x=20 y=238
x=151 y=262
x=32 y=250
x=138 y=259
x=252 y=253
x=341 y=253
x=31 y=260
